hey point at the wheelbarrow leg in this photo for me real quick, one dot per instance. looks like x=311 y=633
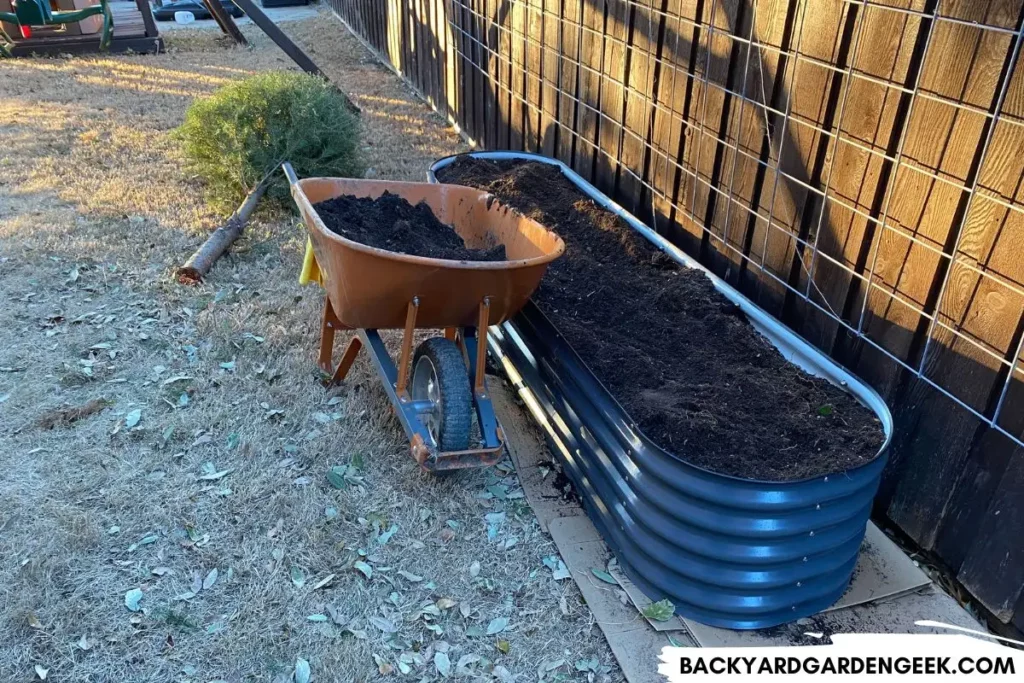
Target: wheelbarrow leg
x=406 y=353
x=347 y=359
x=483 y=322
x=328 y=329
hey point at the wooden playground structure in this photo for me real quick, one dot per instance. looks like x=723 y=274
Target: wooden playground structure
x=59 y=27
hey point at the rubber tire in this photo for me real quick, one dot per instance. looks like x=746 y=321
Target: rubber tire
x=456 y=397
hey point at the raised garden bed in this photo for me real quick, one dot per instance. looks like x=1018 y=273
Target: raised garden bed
x=678 y=356
x=725 y=477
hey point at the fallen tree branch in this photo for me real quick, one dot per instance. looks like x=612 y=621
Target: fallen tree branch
x=199 y=264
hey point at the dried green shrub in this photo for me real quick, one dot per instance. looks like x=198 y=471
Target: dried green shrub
x=234 y=137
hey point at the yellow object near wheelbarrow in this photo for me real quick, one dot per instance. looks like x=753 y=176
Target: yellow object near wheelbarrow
x=310 y=268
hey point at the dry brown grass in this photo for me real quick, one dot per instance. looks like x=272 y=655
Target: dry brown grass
x=94 y=213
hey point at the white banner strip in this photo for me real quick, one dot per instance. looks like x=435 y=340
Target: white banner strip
x=854 y=658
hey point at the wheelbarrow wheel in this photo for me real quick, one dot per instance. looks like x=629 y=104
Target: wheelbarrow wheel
x=439 y=377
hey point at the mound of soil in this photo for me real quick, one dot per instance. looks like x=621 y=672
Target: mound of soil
x=392 y=223
x=681 y=359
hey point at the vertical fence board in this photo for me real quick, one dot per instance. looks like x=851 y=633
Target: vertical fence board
x=617 y=16
x=972 y=502
x=466 y=67
x=534 y=75
x=728 y=62
x=422 y=49
x=518 y=74
x=569 y=74
x=353 y=12
x=491 y=70
x=506 y=71
x=680 y=227
x=410 y=42
x=357 y=15
x=375 y=14
x=741 y=136
x=382 y=18
x=551 y=69
x=816 y=172
x=667 y=115
x=395 y=34
x=451 y=105
x=431 y=54
x=480 y=84
x=772 y=24
x=994 y=570
x=588 y=123
x=712 y=62
x=776 y=68
x=638 y=73
x=826 y=30
x=660 y=70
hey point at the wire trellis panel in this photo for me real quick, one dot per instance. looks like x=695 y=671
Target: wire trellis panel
x=854 y=166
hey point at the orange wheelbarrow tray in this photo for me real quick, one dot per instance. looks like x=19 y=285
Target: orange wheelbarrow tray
x=436 y=389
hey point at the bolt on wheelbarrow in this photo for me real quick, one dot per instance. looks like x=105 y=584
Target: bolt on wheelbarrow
x=436 y=388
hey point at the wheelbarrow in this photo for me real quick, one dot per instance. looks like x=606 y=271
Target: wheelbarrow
x=435 y=389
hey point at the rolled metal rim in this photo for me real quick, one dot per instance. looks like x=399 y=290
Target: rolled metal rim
x=426 y=390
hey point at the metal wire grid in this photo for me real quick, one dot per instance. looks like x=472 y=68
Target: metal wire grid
x=665 y=159
x=837 y=138
x=853 y=143
x=849 y=73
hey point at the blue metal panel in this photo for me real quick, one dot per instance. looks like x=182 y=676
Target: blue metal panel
x=727 y=552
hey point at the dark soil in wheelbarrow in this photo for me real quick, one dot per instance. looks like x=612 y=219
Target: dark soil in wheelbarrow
x=392 y=223
x=681 y=359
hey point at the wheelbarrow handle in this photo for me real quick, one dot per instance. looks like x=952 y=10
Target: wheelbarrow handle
x=289 y=173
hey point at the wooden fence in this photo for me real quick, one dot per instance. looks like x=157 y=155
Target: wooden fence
x=853 y=166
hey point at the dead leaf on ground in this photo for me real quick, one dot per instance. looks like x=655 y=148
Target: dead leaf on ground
x=323 y=582
x=302 y=672
x=132 y=599
x=61 y=417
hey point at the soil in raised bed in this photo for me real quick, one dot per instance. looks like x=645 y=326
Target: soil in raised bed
x=679 y=357
x=392 y=223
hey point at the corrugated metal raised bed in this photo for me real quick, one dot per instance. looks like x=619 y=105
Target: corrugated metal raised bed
x=728 y=552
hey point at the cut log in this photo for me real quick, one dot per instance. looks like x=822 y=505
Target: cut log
x=199 y=263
